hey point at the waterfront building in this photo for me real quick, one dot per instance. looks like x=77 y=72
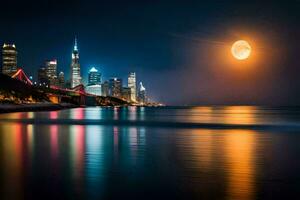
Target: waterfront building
x=115 y=87
x=42 y=77
x=94 y=77
x=126 y=93
x=142 y=94
x=94 y=89
x=132 y=85
x=51 y=71
x=61 y=79
x=9 y=59
x=105 y=88
x=75 y=67
x=51 y=68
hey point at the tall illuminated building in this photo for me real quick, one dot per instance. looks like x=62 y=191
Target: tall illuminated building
x=142 y=94
x=94 y=77
x=75 y=67
x=115 y=87
x=94 y=82
x=42 y=77
x=51 y=68
x=51 y=71
x=9 y=59
x=61 y=79
x=126 y=94
x=132 y=85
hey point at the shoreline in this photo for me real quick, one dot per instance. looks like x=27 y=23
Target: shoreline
x=10 y=108
x=40 y=107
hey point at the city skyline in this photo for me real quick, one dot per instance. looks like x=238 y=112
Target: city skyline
x=150 y=100
x=53 y=82
x=52 y=71
x=188 y=50
x=33 y=72
x=47 y=75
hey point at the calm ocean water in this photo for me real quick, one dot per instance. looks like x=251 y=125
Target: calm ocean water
x=234 y=152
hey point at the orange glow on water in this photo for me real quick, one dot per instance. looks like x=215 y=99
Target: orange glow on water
x=13 y=147
x=239 y=151
x=240 y=114
x=202 y=148
x=223 y=114
x=30 y=138
x=208 y=152
x=54 y=140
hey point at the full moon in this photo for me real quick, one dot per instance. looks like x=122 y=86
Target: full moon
x=241 y=50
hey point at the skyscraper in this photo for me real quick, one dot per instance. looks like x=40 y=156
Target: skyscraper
x=51 y=68
x=9 y=59
x=75 y=67
x=42 y=77
x=61 y=79
x=51 y=71
x=126 y=93
x=105 y=88
x=94 y=77
x=142 y=94
x=132 y=85
x=115 y=87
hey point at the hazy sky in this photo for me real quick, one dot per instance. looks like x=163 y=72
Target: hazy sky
x=179 y=49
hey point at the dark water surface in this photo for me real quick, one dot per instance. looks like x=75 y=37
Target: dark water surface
x=142 y=153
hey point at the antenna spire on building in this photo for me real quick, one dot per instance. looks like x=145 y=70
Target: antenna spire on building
x=75 y=44
x=142 y=88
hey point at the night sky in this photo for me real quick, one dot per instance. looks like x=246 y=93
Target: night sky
x=179 y=49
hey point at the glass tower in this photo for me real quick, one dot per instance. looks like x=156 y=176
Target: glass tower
x=115 y=87
x=132 y=85
x=142 y=94
x=51 y=68
x=9 y=59
x=75 y=67
x=94 y=77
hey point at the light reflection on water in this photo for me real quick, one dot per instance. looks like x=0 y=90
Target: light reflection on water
x=234 y=115
x=239 y=151
x=94 y=159
x=108 y=161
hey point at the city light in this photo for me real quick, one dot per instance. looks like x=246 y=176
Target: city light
x=53 y=87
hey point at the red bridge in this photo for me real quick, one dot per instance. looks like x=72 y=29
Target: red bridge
x=20 y=75
x=55 y=93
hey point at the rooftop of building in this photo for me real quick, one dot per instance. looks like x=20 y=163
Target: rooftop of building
x=93 y=69
x=5 y=45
